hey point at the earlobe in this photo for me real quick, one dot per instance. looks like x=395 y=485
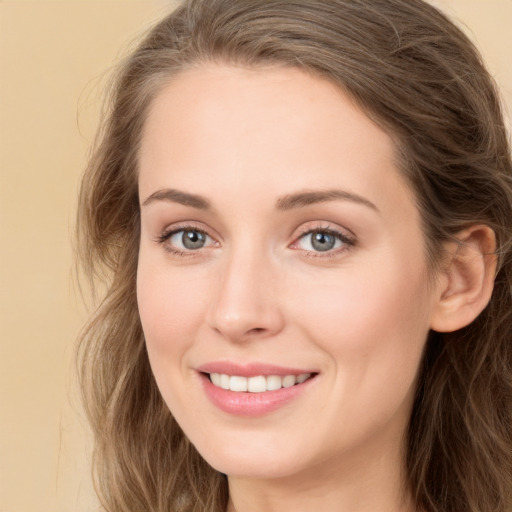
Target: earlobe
x=466 y=284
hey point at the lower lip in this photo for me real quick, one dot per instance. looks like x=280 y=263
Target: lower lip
x=252 y=404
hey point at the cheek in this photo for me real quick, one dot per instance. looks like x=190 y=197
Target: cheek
x=373 y=326
x=171 y=308
x=371 y=318
x=171 y=305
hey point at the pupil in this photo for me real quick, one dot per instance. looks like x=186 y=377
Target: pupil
x=322 y=241
x=193 y=239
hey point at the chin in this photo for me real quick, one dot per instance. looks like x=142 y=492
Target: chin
x=255 y=461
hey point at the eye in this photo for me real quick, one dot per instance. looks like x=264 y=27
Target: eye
x=189 y=239
x=323 y=240
x=185 y=240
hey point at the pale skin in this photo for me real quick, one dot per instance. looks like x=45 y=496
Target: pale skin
x=253 y=163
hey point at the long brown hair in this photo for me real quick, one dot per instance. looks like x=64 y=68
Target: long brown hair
x=418 y=76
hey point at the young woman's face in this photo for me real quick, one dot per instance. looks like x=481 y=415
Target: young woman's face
x=281 y=257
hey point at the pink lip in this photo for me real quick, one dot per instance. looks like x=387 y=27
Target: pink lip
x=251 y=404
x=250 y=370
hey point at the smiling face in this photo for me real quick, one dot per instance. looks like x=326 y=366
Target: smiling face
x=280 y=245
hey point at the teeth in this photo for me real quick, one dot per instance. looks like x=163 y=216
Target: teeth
x=224 y=381
x=289 y=381
x=274 y=382
x=237 y=383
x=257 y=384
x=302 y=377
x=215 y=378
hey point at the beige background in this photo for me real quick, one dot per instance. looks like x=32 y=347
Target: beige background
x=53 y=60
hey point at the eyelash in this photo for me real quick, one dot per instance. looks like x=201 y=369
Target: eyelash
x=167 y=235
x=346 y=240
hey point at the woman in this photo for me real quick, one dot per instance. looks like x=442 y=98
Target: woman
x=304 y=211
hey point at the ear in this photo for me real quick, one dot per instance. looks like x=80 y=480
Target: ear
x=467 y=279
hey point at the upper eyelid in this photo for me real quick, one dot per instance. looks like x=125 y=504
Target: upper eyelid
x=174 y=230
x=343 y=238
x=185 y=226
x=325 y=226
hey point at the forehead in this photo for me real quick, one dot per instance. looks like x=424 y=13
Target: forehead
x=221 y=129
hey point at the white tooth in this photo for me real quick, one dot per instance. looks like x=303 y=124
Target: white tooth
x=215 y=378
x=274 y=382
x=288 y=381
x=303 y=377
x=237 y=383
x=257 y=384
x=224 y=381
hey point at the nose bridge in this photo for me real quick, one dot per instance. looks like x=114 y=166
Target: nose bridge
x=246 y=303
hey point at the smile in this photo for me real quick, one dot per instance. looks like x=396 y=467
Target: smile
x=257 y=384
x=262 y=390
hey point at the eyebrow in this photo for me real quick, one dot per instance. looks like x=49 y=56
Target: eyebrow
x=307 y=198
x=176 y=196
x=288 y=202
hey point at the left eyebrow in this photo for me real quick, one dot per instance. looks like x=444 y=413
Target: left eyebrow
x=177 y=196
x=308 y=197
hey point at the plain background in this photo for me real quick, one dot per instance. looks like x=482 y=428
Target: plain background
x=55 y=57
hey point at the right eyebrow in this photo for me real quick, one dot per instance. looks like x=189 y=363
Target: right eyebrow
x=177 y=196
x=309 y=197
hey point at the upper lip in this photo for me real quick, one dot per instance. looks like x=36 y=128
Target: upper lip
x=251 y=369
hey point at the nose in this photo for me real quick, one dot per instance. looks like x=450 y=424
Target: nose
x=245 y=304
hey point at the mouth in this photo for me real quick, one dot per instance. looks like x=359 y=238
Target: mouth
x=254 y=389
x=258 y=383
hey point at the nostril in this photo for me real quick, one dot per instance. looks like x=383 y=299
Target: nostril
x=256 y=330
